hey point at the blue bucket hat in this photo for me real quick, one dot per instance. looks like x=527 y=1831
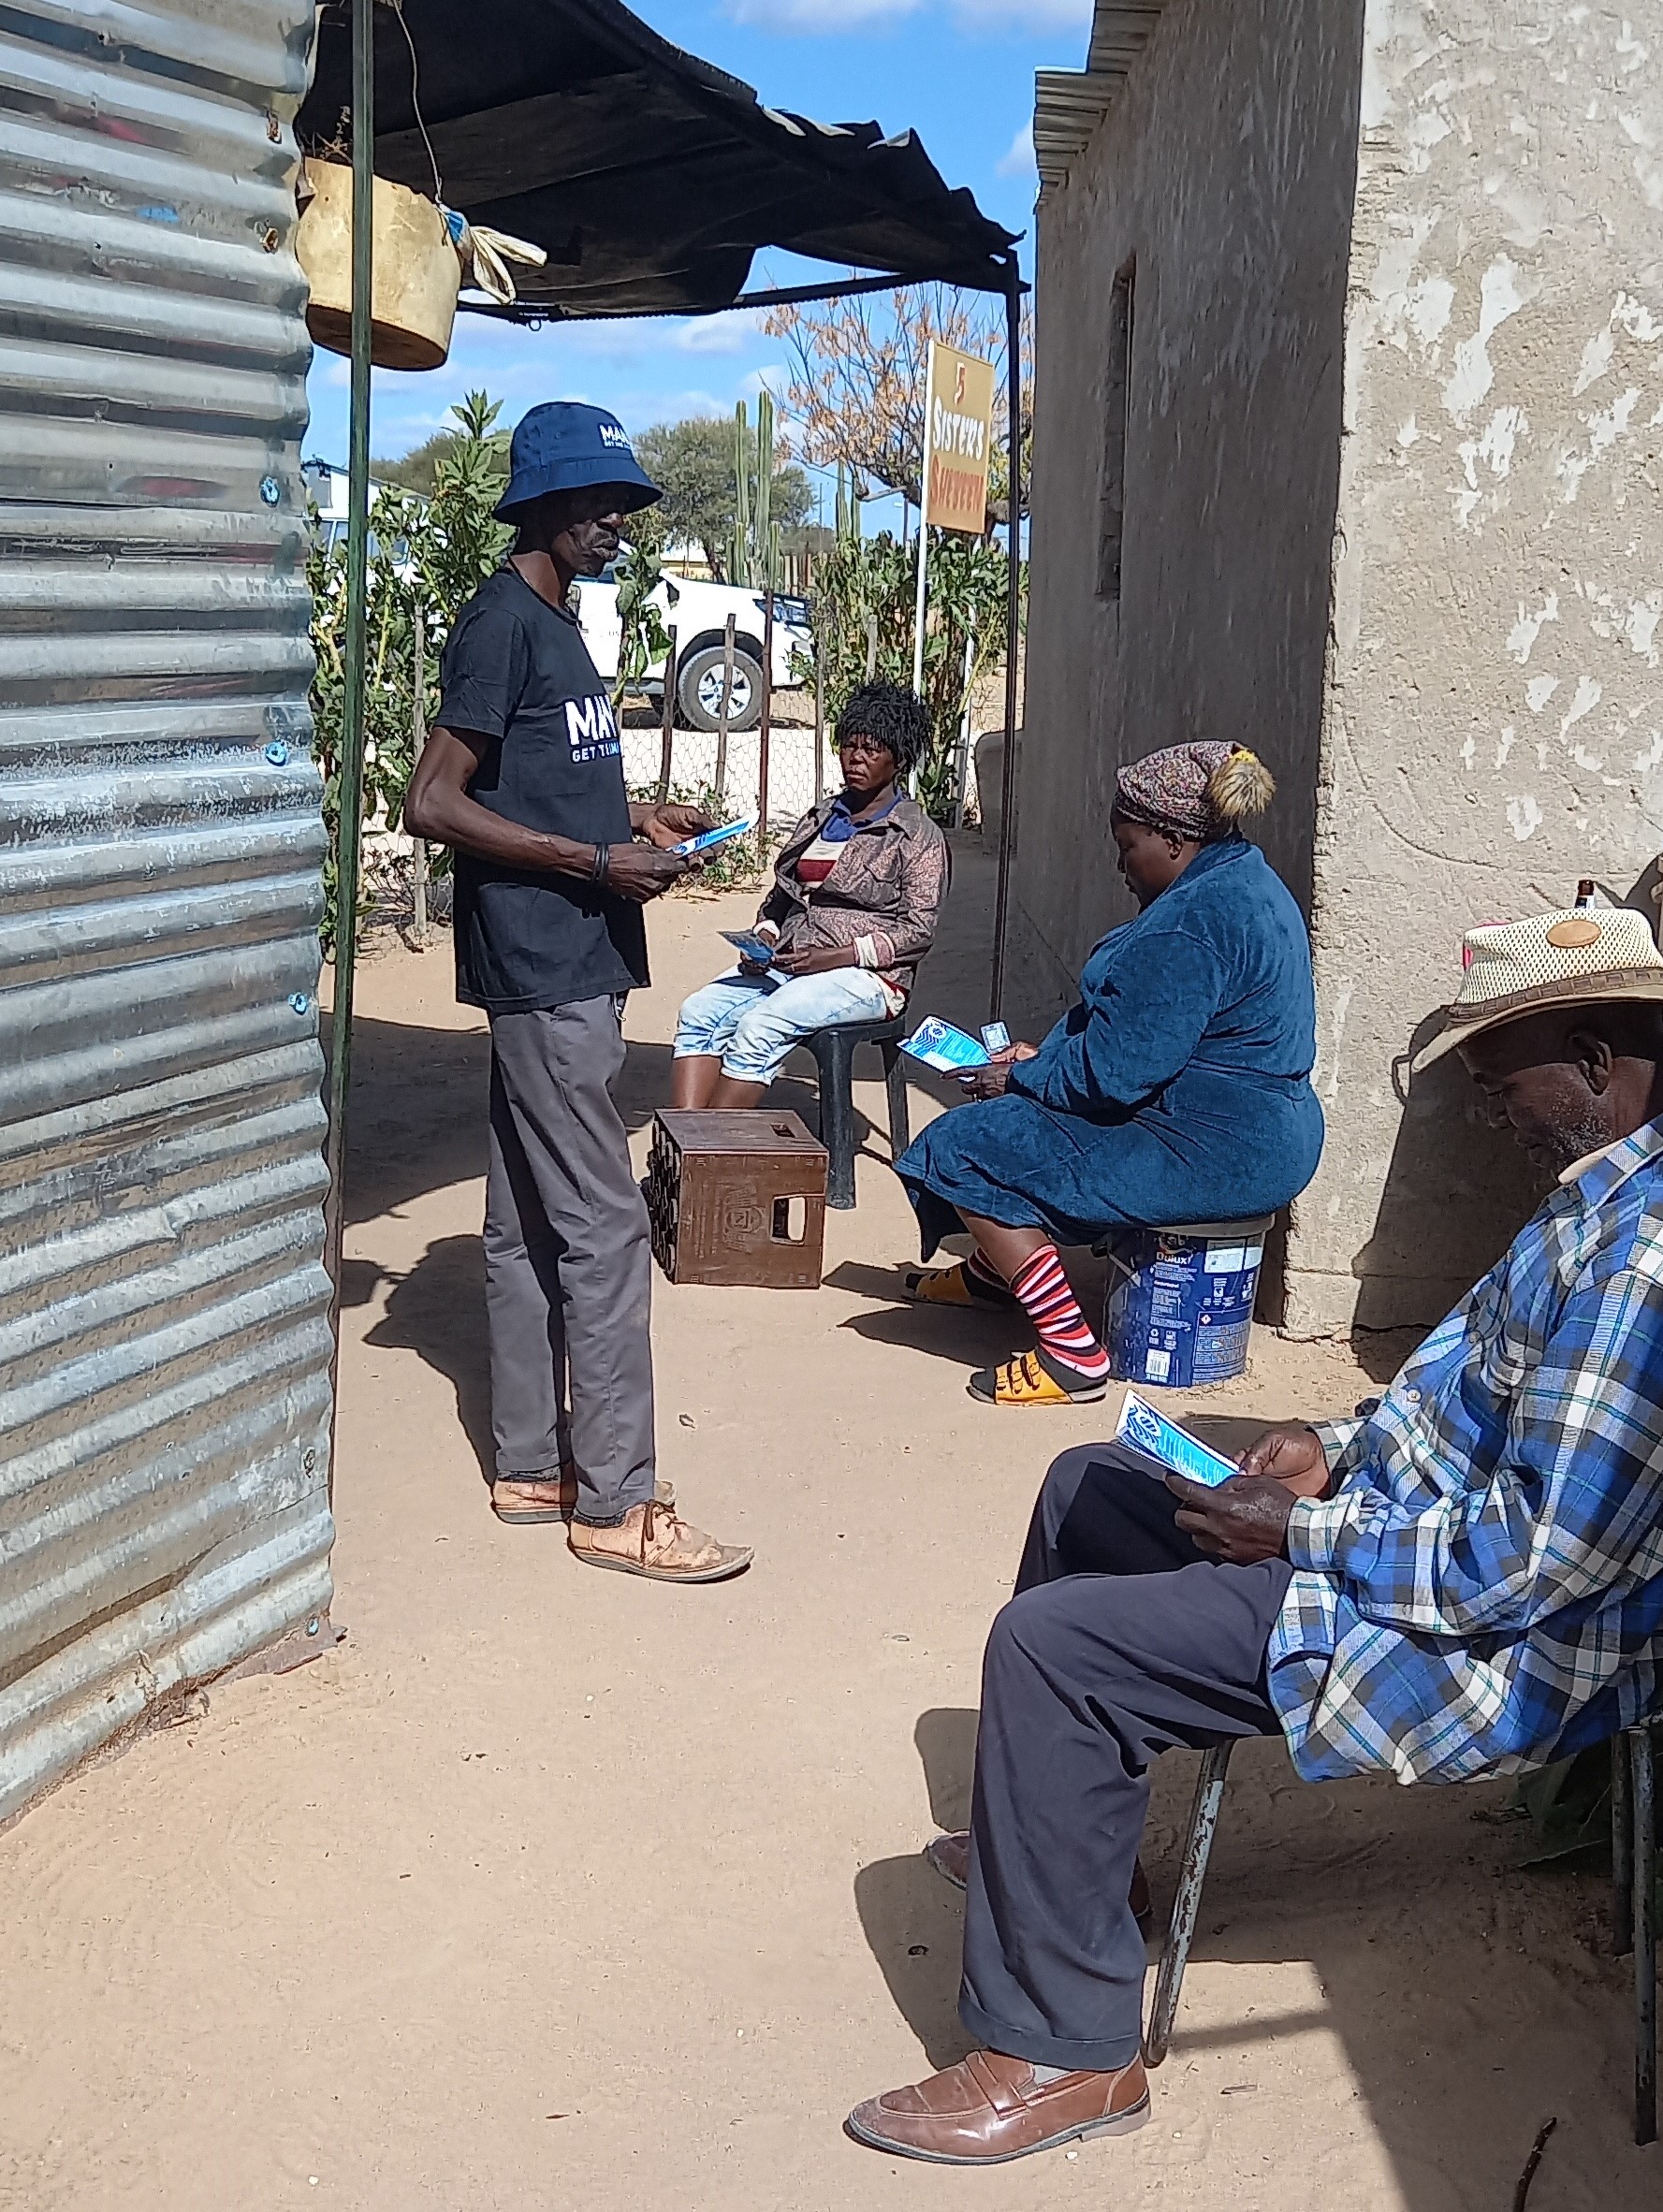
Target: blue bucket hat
x=562 y=446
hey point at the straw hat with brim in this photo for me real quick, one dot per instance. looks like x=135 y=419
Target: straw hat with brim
x=1580 y=958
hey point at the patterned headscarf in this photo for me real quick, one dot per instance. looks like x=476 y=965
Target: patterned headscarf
x=1195 y=791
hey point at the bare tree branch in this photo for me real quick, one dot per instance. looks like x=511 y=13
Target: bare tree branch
x=857 y=370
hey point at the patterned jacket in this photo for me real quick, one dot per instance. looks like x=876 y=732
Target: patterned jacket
x=1483 y=1591
x=883 y=896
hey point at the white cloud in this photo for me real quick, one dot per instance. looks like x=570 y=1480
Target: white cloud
x=830 y=17
x=1024 y=15
x=641 y=410
x=1018 y=162
x=817 y=16
x=647 y=371
x=717 y=334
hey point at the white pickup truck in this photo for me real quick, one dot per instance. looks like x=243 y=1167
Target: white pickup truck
x=697 y=614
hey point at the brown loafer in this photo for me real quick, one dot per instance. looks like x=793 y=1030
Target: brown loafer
x=524 y=1500
x=651 y=1540
x=989 y=2108
x=950 y=1855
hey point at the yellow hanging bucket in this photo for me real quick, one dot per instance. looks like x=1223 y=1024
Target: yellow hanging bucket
x=415 y=278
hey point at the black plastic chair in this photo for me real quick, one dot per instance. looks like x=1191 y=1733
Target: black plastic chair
x=1634 y=1881
x=834 y=1053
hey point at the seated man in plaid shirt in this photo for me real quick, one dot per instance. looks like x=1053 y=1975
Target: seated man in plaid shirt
x=1466 y=1581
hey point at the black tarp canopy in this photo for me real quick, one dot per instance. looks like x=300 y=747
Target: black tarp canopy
x=649 y=176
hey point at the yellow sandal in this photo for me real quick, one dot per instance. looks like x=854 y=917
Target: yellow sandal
x=953 y=1285
x=1031 y=1379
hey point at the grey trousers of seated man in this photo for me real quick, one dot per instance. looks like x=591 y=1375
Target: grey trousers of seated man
x=568 y=1266
x=1122 y=1641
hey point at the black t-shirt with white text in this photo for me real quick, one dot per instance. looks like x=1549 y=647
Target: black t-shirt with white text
x=517 y=670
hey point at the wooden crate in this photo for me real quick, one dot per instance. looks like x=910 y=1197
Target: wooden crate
x=736 y=1198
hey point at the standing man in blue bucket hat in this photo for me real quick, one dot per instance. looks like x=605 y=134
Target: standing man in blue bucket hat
x=523 y=778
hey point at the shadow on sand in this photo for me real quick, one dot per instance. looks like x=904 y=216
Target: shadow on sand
x=1392 y=1899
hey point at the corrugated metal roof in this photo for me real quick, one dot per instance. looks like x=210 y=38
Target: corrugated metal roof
x=163 y=1312
x=1069 y=104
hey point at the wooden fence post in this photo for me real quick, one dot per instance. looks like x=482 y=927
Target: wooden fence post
x=668 y=744
x=765 y=731
x=727 y=697
x=818 y=724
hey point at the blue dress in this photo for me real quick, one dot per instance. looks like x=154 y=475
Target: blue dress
x=1178 y=1089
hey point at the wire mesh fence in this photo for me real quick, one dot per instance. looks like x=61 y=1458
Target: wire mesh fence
x=795 y=784
x=793 y=788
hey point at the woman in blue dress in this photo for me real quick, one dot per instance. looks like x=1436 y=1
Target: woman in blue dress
x=1178 y=1089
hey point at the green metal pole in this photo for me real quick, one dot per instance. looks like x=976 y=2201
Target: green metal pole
x=352 y=717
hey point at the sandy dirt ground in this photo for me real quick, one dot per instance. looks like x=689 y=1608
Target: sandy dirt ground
x=548 y=1889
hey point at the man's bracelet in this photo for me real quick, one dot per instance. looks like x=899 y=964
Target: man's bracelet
x=602 y=859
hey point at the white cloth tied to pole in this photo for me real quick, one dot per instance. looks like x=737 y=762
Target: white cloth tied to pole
x=485 y=255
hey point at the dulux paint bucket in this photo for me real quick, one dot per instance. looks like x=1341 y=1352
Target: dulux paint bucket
x=1180 y=1301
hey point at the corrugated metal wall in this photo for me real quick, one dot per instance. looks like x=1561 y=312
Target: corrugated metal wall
x=164 y=1331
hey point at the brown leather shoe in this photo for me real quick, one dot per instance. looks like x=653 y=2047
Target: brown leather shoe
x=651 y=1540
x=950 y=1855
x=524 y=1500
x=989 y=2108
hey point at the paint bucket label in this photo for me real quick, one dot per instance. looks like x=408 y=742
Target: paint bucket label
x=1180 y=1307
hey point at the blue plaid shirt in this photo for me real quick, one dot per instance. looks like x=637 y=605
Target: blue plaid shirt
x=1483 y=1590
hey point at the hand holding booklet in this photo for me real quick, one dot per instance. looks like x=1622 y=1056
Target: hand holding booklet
x=938 y=1046
x=1163 y=1446
x=759 y=951
x=707 y=838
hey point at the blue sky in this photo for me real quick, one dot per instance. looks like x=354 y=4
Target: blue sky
x=959 y=72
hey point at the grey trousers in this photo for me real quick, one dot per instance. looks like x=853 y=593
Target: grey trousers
x=1122 y=1641
x=568 y=1269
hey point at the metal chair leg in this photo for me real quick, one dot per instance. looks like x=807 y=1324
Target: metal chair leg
x=1198 y=1845
x=1622 y=1849
x=894 y=1081
x=1645 y=1936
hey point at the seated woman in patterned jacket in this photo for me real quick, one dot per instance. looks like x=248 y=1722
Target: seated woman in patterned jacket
x=857 y=894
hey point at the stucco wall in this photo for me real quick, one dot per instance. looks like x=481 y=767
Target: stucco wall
x=1495 y=720
x=1226 y=167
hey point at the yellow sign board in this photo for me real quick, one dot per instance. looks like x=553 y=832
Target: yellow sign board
x=957 y=440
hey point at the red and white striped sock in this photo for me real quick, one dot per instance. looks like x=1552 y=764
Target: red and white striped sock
x=1055 y=1312
x=982 y=1270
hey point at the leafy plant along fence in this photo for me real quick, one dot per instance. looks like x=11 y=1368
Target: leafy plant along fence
x=427 y=556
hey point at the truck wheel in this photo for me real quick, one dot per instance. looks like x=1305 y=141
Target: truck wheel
x=698 y=690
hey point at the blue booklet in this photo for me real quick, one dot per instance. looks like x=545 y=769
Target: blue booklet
x=759 y=951
x=705 y=839
x=942 y=1047
x=1151 y=1436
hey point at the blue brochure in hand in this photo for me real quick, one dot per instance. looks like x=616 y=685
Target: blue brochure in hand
x=1151 y=1436
x=759 y=951
x=705 y=839
x=942 y=1047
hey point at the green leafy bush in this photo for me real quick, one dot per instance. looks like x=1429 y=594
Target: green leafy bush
x=873 y=581
x=427 y=558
